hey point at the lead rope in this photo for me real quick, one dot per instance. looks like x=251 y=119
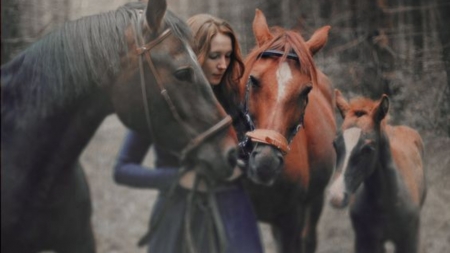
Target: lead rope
x=212 y=217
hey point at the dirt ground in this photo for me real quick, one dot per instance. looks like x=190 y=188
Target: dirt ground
x=121 y=214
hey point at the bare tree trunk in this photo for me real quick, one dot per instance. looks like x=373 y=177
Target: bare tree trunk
x=10 y=30
x=443 y=10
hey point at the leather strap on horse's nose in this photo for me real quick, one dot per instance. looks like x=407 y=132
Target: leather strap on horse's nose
x=270 y=137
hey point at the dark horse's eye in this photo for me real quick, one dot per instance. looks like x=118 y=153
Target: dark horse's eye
x=185 y=74
x=254 y=81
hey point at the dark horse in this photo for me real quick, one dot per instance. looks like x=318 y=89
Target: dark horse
x=134 y=61
x=382 y=165
x=291 y=156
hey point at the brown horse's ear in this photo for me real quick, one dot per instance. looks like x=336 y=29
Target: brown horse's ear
x=260 y=28
x=341 y=103
x=381 y=109
x=318 y=39
x=155 y=13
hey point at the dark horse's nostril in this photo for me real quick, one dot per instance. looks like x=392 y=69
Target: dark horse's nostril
x=232 y=157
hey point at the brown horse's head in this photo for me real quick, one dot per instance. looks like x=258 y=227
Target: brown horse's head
x=357 y=146
x=164 y=93
x=280 y=72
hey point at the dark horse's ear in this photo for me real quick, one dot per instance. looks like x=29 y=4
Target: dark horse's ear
x=155 y=13
x=260 y=28
x=341 y=103
x=318 y=39
x=381 y=110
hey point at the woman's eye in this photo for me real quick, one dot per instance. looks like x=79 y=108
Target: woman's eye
x=213 y=56
x=184 y=74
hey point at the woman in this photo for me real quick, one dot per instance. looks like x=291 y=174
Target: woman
x=220 y=58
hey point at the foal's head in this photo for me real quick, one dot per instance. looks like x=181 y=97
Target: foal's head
x=280 y=73
x=357 y=146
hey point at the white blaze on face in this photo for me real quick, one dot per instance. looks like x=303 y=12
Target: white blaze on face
x=284 y=75
x=337 y=189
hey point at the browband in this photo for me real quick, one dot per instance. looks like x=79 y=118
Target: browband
x=269 y=53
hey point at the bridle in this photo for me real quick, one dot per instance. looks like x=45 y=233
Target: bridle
x=194 y=142
x=267 y=136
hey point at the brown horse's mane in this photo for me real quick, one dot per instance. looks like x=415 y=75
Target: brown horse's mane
x=286 y=41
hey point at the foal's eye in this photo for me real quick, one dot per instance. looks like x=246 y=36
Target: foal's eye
x=255 y=82
x=360 y=113
x=184 y=74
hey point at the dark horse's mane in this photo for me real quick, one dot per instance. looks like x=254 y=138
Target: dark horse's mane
x=286 y=41
x=72 y=60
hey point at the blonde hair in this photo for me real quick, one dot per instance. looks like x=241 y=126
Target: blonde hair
x=204 y=27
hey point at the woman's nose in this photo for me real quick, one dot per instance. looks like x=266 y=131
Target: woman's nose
x=222 y=63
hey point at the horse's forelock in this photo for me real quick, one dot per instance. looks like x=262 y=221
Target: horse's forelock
x=285 y=41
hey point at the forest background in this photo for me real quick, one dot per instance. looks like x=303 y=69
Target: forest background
x=400 y=48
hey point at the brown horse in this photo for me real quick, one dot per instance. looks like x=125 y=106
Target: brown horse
x=382 y=165
x=291 y=156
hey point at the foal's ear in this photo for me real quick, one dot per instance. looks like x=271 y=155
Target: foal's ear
x=155 y=13
x=260 y=28
x=381 y=110
x=318 y=39
x=341 y=103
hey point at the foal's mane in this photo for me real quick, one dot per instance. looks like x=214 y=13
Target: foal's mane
x=286 y=41
x=72 y=60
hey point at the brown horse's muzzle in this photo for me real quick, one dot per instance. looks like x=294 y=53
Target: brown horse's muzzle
x=267 y=157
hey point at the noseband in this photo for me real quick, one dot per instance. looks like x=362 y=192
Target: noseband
x=267 y=136
x=195 y=141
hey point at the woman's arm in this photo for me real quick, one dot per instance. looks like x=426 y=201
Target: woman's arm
x=129 y=171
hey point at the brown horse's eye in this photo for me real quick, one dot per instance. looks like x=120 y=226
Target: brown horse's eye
x=255 y=82
x=184 y=74
x=306 y=90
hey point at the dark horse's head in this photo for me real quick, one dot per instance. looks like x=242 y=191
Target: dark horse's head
x=136 y=61
x=279 y=75
x=357 y=146
x=178 y=109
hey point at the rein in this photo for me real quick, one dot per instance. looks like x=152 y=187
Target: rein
x=195 y=142
x=267 y=136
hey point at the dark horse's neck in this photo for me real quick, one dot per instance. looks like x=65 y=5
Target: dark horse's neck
x=39 y=149
x=382 y=184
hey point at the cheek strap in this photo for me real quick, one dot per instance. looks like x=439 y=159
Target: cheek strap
x=270 y=137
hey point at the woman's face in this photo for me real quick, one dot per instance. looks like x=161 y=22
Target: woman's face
x=218 y=58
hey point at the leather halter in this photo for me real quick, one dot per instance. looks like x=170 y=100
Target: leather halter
x=268 y=136
x=144 y=51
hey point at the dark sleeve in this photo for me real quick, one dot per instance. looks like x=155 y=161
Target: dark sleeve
x=129 y=171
